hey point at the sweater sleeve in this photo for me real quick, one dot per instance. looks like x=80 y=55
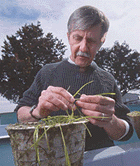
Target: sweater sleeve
x=31 y=95
x=41 y=82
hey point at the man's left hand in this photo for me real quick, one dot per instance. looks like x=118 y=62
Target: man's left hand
x=98 y=106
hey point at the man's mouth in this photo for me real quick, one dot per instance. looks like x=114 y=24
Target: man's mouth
x=83 y=54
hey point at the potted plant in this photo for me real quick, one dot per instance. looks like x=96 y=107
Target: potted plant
x=38 y=144
x=135 y=118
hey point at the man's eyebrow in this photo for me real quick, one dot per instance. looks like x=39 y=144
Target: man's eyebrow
x=89 y=39
x=77 y=35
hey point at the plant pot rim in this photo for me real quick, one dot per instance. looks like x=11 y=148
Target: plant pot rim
x=32 y=125
x=134 y=114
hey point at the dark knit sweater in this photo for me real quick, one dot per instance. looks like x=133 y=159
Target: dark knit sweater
x=63 y=74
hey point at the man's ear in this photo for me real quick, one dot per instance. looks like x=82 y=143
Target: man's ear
x=68 y=36
x=103 y=38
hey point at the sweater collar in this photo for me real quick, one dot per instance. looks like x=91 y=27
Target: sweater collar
x=93 y=64
x=70 y=61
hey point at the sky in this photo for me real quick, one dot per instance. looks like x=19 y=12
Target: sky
x=124 y=17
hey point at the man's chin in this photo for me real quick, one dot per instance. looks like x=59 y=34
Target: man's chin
x=82 y=61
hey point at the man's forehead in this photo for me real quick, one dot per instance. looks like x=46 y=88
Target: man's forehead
x=87 y=33
x=98 y=26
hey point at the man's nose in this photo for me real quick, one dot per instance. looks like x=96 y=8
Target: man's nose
x=83 y=46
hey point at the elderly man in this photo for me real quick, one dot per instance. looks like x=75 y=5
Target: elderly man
x=48 y=95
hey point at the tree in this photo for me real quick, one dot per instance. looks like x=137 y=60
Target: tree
x=23 y=54
x=123 y=63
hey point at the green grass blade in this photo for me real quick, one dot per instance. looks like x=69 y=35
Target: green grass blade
x=35 y=137
x=46 y=136
x=68 y=163
x=87 y=129
x=82 y=88
x=102 y=94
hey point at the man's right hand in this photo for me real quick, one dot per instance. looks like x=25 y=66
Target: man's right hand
x=53 y=99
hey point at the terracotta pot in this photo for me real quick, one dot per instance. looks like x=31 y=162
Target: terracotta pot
x=135 y=118
x=21 y=136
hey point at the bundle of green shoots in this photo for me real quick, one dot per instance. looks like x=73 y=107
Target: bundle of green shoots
x=59 y=120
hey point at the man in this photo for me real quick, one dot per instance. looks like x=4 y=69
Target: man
x=48 y=95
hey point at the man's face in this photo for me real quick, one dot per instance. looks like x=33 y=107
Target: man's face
x=84 y=45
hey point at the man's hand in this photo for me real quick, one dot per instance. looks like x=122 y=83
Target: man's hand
x=53 y=99
x=99 y=106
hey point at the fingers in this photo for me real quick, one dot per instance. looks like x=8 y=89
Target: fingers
x=98 y=122
x=99 y=116
x=97 y=99
x=97 y=106
x=54 y=99
x=62 y=92
x=51 y=100
x=97 y=103
x=60 y=97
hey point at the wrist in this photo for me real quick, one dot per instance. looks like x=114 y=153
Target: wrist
x=127 y=128
x=115 y=128
x=111 y=123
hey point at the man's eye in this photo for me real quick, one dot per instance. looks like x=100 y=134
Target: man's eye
x=91 y=41
x=77 y=38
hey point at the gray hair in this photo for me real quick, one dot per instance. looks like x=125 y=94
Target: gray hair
x=87 y=17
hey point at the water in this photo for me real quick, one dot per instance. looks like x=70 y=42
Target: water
x=134 y=107
x=6 y=157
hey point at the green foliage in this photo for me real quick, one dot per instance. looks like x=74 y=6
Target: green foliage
x=123 y=63
x=23 y=54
